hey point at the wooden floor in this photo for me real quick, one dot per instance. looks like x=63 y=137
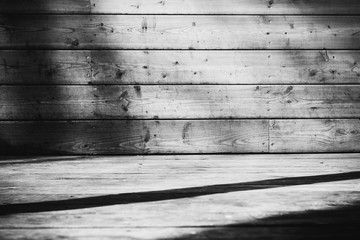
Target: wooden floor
x=253 y=196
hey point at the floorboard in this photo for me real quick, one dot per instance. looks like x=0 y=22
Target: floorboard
x=297 y=196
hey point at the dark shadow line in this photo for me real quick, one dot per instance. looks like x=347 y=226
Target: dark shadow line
x=153 y=196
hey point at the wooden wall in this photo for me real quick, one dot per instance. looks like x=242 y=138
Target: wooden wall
x=179 y=76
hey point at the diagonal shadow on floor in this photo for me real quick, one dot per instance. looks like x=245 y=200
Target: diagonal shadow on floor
x=151 y=196
x=335 y=223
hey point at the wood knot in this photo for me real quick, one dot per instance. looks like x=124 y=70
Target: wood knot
x=185 y=133
x=288 y=89
x=313 y=72
x=72 y=42
x=120 y=73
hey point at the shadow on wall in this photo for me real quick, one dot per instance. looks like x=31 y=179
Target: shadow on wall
x=39 y=83
x=73 y=94
x=31 y=89
x=45 y=91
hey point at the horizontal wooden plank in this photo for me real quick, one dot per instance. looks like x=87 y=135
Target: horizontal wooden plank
x=133 y=197
x=319 y=136
x=180 y=67
x=32 y=174
x=44 y=6
x=182 y=6
x=45 y=67
x=226 y=67
x=179 y=136
x=179 y=32
x=226 y=7
x=179 y=101
x=133 y=137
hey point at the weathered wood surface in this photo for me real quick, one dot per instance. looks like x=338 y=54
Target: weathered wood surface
x=221 y=195
x=134 y=137
x=45 y=67
x=179 y=101
x=35 y=176
x=178 y=32
x=180 y=136
x=226 y=67
x=180 y=67
x=44 y=6
x=226 y=7
x=333 y=135
x=180 y=196
x=181 y=6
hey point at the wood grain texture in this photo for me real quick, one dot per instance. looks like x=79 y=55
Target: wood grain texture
x=280 y=195
x=181 y=6
x=278 y=59
x=32 y=174
x=319 y=136
x=179 y=32
x=180 y=67
x=179 y=136
x=133 y=137
x=178 y=101
x=226 y=67
x=226 y=7
x=44 y=6
x=45 y=67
